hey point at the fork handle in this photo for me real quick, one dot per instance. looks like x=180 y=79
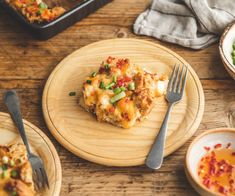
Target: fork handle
x=11 y=100
x=155 y=157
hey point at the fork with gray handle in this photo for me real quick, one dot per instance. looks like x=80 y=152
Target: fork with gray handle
x=175 y=91
x=39 y=174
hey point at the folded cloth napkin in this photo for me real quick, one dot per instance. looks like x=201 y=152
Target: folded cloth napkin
x=191 y=23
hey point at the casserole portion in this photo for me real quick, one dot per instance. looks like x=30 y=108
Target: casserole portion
x=121 y=93
x=36 y=10
x=15 y=171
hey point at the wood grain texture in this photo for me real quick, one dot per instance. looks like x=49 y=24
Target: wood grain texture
x=82 y=134
x=28 y=68
x=40 y=145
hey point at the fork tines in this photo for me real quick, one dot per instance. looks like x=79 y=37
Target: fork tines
x=39 y=173
x=178 y=79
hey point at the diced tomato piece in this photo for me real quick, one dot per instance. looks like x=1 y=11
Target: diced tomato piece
x=228 y=145
x=231 y=181
x=123 y=81
x=111 y=109
x=207 y=182
x=212 y=169
x=222 y=189
x=31 y=9
x=127 y=79
x=207 y=148
x=110 y=59
x=121 y=62
x=120 y=82
x=219 y=172
x=218 y=146
x=102 y=70
x=222 y=162
x=229 y=169
x=125 y=116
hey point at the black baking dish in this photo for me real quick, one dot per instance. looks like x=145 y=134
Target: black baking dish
x=45 y=31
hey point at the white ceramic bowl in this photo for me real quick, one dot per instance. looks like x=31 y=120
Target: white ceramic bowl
x=226 y=41
x=196 y=151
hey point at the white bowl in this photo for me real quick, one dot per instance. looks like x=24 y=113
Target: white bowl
x=226 y=41
x=196 y=151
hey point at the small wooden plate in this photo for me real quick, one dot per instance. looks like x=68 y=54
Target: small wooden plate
x=40 y=145
x=82 y=134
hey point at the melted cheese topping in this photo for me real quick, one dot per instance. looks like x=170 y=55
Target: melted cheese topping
x=104 y=101
x=121 y=93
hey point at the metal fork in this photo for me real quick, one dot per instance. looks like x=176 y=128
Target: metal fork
x=39 y=174
x=175 y=91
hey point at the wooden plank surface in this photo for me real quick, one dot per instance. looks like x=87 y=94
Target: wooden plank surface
x=25 y=64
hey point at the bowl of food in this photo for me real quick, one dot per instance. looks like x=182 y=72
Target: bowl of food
x=210 y=162
x=227 y=49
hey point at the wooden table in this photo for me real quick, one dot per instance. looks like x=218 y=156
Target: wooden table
x=26 y=63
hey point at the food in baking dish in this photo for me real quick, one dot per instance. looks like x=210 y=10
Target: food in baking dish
x=15 y=171
x=121 y=93
x=36 y=10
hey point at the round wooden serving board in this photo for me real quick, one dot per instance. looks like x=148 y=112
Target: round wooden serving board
x=40 y=145
x=80 y=132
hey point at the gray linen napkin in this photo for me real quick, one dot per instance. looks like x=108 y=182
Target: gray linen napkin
x=191 y=23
